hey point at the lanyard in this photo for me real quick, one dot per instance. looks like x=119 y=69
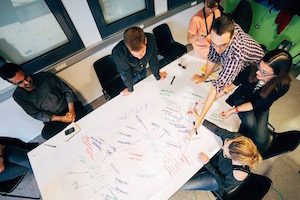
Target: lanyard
x=207 y=32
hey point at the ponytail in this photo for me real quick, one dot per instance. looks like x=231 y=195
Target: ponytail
x=243 y=150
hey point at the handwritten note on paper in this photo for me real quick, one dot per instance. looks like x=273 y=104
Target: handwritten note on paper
x=146 y=145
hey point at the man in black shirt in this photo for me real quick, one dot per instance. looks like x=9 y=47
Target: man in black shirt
x=44 y=97
x=133 y=54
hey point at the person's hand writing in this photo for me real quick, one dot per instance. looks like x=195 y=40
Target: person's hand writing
x=226 y=114
x=163 y=75
x=198 y=78
x=125 y=92
x=197 y=123
x=203 y=158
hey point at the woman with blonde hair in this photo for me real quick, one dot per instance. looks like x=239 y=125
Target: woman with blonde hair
x=229 y=167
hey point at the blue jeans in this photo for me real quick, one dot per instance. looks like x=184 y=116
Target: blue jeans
x=255 y=125
x=138 y=77
x=201 y=181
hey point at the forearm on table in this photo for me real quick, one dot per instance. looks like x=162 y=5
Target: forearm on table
x=209 y=68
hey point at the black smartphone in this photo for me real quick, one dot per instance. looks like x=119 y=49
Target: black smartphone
x=69 y=131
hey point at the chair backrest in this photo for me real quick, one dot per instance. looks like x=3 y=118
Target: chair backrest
x=279 y=143
x=108 y=76
x=254 y=187
x=163 y=36
x=105 y=69
x=286 y=45
x=242 y=15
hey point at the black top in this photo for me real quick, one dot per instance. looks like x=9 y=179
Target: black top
x=128 y=65
x=222 y=167
x=246 y=92
x=50 y=96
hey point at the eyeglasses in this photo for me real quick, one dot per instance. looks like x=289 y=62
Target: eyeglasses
x=263 y=74
x=25 y=79
x=221 y=46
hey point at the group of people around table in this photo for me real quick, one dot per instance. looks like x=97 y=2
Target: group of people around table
x=260 y=80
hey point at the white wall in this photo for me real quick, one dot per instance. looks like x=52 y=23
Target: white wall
x=14 y=122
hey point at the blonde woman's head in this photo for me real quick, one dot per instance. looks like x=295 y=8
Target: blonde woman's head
x=242 y=150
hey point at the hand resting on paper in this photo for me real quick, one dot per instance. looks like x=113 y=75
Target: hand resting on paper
x=203 y=158
x=125 y=92
x=163 y=75
x=198 y=78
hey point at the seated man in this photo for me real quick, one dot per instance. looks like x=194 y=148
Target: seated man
x=13 y=158
x=44 y=97
x=133 y=54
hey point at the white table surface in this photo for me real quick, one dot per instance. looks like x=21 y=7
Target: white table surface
x=133 y=147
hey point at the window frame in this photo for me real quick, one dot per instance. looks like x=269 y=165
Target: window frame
x=74 y=45
x=107 y=30
x=174 y=4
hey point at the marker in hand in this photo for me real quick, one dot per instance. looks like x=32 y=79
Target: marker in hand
x=172 y=80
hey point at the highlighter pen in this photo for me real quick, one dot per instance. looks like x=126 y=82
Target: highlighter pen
x=195 y=128
x=172 y=80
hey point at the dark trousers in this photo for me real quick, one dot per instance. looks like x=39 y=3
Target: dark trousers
x=255 y=126
x=52 y=128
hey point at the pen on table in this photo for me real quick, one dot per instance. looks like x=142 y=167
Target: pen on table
x=195 y=128
x=50 y=145
x=172 y=80
x=208 y=81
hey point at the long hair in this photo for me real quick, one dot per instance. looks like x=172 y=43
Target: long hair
x=243 y=150
x=281 y=62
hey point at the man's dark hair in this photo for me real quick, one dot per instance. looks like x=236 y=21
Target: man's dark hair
x=9 y=70
x=134 y=38
x=223 y=25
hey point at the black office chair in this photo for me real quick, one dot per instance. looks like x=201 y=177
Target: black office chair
x=166 y=45
x=279 y=143
x=242 y=15
x=286 y=45
x=109 y=77
x=254 y=187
